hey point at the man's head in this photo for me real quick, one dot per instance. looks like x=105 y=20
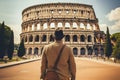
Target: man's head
x=58 y=34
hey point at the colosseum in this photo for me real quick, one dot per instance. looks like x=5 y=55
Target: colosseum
x=78 y=22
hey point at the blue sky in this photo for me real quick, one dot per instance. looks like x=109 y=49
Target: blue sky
x=107 y=12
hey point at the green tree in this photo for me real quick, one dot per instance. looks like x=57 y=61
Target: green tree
x=116 y=51
x=108 y=45
x=2 y=40
x=21 y=50
x=5 y=33
x=11 y=46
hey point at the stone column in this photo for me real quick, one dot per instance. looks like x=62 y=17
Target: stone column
x=93 y=38
x=33 y=38
x=56 y=25
x=28 y=38
x=33 y=51
x=47 y=40
x=48 y=24
x=71 y=25
x=40 y=38
x=91 y=27
x=78 y=37
x=86 y=51
x=85 y=26
x=35 y=26
x=71 y=38
x=78 y=51
x=41 y=26
x=30 y=27
x=63 y=25
x=78 y=25
x=86 y=39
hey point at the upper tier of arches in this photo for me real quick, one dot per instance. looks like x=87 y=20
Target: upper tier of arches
x=58 y=10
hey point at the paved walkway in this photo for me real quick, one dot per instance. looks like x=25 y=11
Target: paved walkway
x=86 y=70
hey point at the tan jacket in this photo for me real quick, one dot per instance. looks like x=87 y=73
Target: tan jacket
x=66 y=66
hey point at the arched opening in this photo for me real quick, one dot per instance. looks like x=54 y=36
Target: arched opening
x=75 y=51
x=36 y=51
x=90 y=50
x=52 y=25
x=89 y=38
x=67 y=25
x=45 y=26
x=38 y=26
x=44 y=38
x=82 y=51
x=75 y=25
x=96 y=51
x=33 y=27
x=29 y=51
x=67 y=38
x=88 y=27
x=59 y=24
x=51 y=38
x=74 y=38
x=82 y=38
x=30 y=38
x=26 y=39
x=82 y=26
x=37 y=38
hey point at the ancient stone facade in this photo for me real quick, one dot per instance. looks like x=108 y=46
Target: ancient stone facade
x=78 y=21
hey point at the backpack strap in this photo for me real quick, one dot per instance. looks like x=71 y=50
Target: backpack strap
x=58 y=58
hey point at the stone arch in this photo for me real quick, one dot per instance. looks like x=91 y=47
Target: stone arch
x=36 y=51
x=82 y=38
x=90 y=50
x=67 y=38
x=75 y=51
x=29 y=51
x=82 y=51
x=88 y=27
x=37 y=38
x=82 y=26
x=31 y=38
x=44 y=38
x=45 y=26
x=60 y=24
x=51 y=38
x=38 y=26
x=75 y=38
x=52 y=25
x=67 y=25
x=75 y=26
x=89 y=38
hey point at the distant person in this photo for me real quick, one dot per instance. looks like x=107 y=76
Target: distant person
x=66 y=68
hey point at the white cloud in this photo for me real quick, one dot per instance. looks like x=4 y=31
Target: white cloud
x=116 y=26
x=17 y=30
x=103 y=27
x=114 y=14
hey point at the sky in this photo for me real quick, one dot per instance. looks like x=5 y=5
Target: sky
x=107 y=12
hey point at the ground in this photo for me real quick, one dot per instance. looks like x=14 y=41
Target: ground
x=86 y=70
